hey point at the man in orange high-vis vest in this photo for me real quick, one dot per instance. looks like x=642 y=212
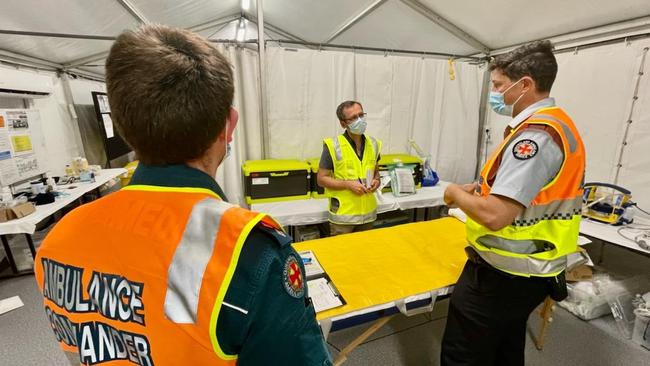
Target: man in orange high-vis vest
x=166 y=271
x=523 y=215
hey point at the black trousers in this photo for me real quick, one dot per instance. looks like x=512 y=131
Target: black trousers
x=487 y=317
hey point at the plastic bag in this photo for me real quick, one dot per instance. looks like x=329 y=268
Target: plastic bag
x=402 y=182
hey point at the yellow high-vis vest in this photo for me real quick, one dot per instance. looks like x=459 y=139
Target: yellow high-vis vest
x=345 y=206
x=553 y=217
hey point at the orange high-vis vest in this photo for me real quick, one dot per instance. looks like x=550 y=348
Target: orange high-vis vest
x=139 y=276
x=553 y=216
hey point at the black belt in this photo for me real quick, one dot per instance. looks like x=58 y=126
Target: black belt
x=473 y=256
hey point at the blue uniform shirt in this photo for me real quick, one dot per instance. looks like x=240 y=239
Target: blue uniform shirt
x=261 y=320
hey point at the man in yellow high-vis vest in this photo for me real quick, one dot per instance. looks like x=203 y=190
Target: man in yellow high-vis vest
x=348 y=172
x=523 y=215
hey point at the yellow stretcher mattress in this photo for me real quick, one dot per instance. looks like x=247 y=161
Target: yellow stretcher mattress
x=381 y=266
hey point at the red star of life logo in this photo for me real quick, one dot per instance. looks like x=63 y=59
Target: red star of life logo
x=525 y=149
x=295 y=276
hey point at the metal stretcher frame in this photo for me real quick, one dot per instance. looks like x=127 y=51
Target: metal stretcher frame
x=380 y=315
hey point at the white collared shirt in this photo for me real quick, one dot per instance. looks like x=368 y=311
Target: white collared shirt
x=523 y=115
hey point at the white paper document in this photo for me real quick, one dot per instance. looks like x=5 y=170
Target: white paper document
x=108 y=125
x=10 y=304
x=322 y=295
x=370 y=176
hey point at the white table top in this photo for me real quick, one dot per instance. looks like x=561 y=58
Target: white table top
x=610 y=234
x=27 y=224
x=314 y=211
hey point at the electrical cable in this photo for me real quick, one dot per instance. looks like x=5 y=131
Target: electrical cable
x=640 y=209
x=642 y=228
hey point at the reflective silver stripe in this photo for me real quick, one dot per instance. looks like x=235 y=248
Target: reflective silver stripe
x=527 y=265
x=245 y=312
x=573 y=143
x=375 y=146
x=353 y=219
x=508 y=245
x=185 y=273
x=337 y=148
x=555 y=210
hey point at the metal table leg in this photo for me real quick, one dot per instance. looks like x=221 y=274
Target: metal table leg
x=10 y=256
x=30 y=242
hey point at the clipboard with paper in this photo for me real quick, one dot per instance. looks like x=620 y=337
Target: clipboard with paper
x=320 y=288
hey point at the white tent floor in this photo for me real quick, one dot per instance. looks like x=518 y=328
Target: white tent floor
x=415 y=341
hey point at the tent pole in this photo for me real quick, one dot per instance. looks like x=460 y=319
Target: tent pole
x=273 y=28
x=69 y=100
x=29 y=60
x=57 y=35
x=354 y=20
x=383 y=50
x=447 y=25
x=602 y=43
x=482 y=120
x=215 y=22
x=135 y=12
x=582 y=38
x=629 y=121
x=261 y=46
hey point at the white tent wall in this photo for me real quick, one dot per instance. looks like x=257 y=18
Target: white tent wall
x=405 y=97
x=82 y=90
x=596 y=86
x=247 y=140
x=56 y=124
x=635 y=164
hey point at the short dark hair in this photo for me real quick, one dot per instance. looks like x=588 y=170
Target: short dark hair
x=534 y=59
x=170 y=92
x=343 y=106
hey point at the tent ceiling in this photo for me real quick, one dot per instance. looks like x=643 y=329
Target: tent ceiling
x=105 y=17
x=380 y=29
x=249 y=32
x=312 y=20
x=185 y=13
x=502 y=23
x=57 y=50
x=391 y=24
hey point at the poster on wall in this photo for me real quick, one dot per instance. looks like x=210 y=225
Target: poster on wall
x=108 y=126
x=17 y=120
x=20 y=142
x=114 y=145
x=102 y=100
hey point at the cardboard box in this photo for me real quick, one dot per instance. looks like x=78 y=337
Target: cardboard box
x=16 y=212
x=580 y=273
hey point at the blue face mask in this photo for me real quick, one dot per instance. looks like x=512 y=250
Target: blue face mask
x=228 y=145
x=498 y=103
x=358 y=127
